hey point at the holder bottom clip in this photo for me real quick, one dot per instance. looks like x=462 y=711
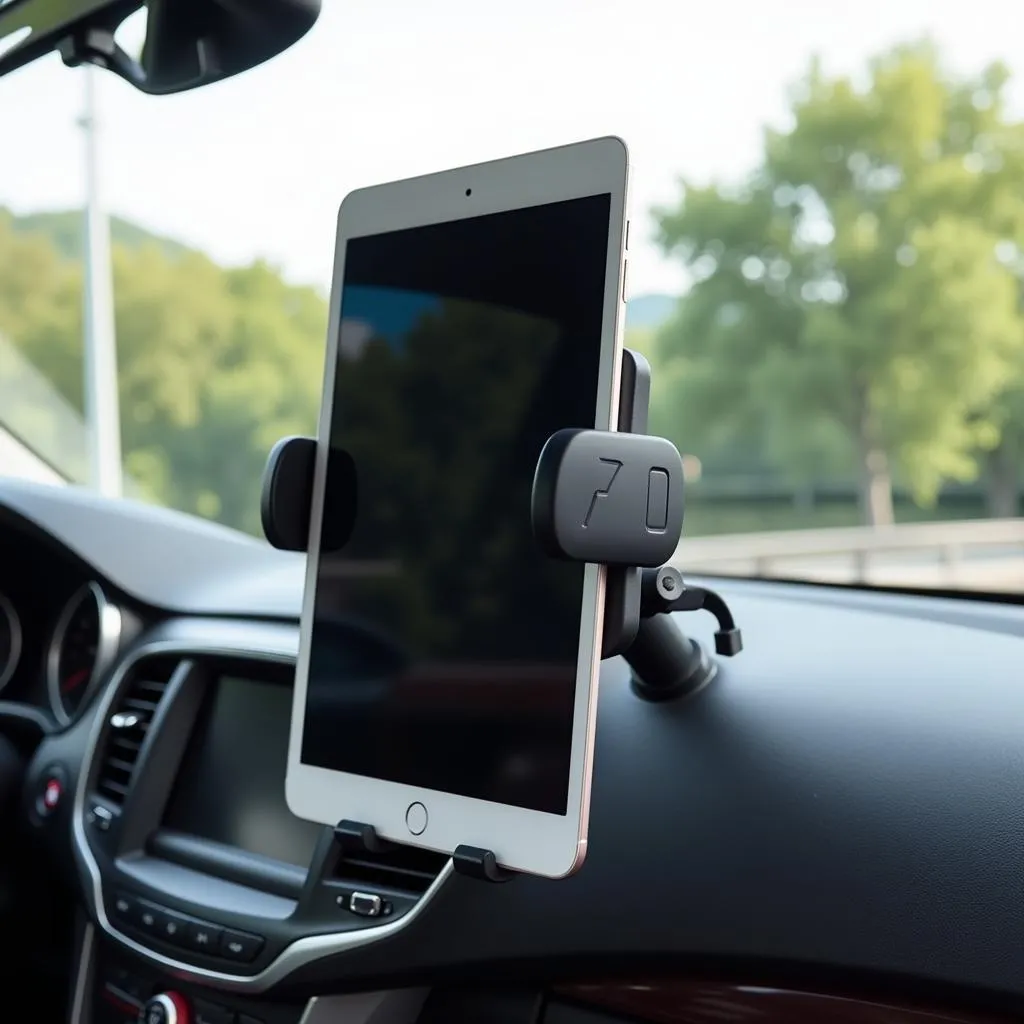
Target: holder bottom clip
x=471 y=861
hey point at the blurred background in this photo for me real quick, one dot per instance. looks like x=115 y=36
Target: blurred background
x=826 y=262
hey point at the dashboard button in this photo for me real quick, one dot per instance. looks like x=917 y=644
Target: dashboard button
x=148 y=918
x=100 y=817
x=366 y=904
x=170 y=926
x=50 y=793
x=124 y=908
x=240 y=946
x=202 y=937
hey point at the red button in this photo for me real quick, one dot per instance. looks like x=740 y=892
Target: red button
x=52 y=794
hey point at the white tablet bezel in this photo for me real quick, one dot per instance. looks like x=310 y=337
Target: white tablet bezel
x=524 y=840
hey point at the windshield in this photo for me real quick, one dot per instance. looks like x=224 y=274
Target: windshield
x=825 y=263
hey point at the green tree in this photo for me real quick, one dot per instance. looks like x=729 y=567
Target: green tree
x=40 y=305
x=855 y=304
x=214 y=365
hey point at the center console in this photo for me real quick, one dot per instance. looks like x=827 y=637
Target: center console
x=193 y=863
x=125 y=991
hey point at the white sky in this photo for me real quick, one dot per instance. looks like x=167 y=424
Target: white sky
x=383 y=89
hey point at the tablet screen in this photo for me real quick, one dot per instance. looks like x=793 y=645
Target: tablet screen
x=444 y=642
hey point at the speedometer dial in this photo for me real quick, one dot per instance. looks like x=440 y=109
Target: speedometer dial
x=10 y=640
x=84 y=643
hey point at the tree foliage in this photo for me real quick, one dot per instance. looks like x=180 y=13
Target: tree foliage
x=214 y=365
x=856 y=304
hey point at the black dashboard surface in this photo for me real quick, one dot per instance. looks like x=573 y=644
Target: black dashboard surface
x=850 y=798
x=214 y=571
x=847 y=795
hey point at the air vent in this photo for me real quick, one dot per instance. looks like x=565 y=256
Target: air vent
x=404 y=869
x=127 y=724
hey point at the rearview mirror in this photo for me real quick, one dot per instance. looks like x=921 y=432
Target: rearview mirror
x=186 y=43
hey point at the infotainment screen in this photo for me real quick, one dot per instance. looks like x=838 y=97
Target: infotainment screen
x=230 y=787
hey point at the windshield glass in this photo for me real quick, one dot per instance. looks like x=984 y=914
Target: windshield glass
x=825 y=264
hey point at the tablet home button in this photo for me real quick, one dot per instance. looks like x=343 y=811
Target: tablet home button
x=416 y=818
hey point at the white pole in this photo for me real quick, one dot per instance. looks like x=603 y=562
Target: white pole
x=102 y=414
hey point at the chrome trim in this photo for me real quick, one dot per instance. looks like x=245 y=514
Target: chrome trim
x=79 y=1012
x=107 y=643
x=299 y=953
x=26 y=713
x=168 y=1005
x=8 y=611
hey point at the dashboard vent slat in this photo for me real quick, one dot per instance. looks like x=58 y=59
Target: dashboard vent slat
x=127 y=723
x=403 y=869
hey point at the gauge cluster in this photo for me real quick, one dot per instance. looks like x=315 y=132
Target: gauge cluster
x=10 y=640
x=83 y=646
x=56 y=648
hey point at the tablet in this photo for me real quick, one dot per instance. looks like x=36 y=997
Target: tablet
x=446 y=684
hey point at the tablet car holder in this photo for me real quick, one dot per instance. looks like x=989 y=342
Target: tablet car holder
x=614 y=498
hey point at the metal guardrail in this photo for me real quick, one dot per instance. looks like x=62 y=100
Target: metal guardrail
x=945 y=545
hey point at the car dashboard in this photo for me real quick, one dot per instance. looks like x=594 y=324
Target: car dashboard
x=830 y=830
